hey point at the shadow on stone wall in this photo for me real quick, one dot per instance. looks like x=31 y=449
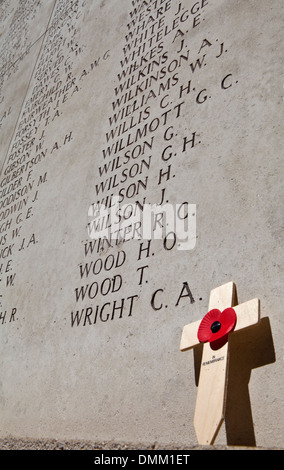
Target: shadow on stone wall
x=249 y=349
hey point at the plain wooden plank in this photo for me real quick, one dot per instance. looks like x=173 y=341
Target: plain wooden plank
x=223 y=296
x=210 y=401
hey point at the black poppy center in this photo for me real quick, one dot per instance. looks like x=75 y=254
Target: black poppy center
x=215 y=326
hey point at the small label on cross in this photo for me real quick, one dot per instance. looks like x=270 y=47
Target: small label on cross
x=223 y=319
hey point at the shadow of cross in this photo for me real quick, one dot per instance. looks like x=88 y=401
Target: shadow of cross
x=212 y=386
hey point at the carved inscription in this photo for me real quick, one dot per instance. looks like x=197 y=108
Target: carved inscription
x=151 y=135
x=53 y=84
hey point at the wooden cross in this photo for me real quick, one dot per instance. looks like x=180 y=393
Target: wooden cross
x=212 y=386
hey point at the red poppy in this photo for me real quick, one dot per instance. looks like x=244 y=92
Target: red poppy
x=216 y=325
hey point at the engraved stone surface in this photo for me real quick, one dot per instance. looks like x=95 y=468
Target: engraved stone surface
x=141 y=167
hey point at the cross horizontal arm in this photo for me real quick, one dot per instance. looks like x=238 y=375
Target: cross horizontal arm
x=189 y=336
x=220 y=297
x=248 y=314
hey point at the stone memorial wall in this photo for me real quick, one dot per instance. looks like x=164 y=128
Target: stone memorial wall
x=141 y=167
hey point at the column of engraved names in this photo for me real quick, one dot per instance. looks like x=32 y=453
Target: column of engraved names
x=145 y=79
x=124 y=173
x=148 y=107
x=151 y=80
x=126 y=164
x=166 y=93
x=52 y=86
x=17 y=42
x=154 y=55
